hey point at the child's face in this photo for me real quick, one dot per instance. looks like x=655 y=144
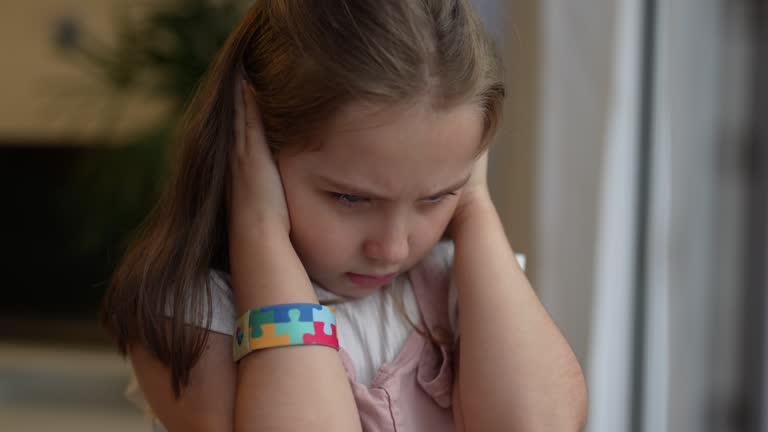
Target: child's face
x=368 y=202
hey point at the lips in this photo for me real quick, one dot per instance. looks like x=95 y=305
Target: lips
x=370 y=280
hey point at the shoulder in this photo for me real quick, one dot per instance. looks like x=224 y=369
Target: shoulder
x=214 y=291
x=223 y=314
x=438 y=263
x=433 y=275
x=436 y=269
x=443 y=253
x=222 y=302
x=441 y=257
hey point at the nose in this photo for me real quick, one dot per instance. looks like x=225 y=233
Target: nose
x=388 y=246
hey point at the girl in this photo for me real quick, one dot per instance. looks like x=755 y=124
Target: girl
x=336 y=154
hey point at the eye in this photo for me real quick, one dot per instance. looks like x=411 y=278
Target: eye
x=349 y=200
x=438 y=198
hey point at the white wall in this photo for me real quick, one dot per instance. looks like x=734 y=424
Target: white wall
x=575 y=85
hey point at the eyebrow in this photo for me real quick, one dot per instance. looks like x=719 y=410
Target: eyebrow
x=358 y=191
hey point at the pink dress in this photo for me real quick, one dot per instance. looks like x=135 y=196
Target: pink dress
x=413 y=392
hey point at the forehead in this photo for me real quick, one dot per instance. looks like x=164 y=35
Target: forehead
x=396 y=148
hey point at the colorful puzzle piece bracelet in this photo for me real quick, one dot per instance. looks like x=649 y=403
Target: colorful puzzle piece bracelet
x=284 y=325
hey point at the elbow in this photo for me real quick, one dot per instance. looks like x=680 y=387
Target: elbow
x=570 y=408
x=572 y=403
x=575 y=419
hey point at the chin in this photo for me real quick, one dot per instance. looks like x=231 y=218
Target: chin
x=345 y=288
x=352 y=291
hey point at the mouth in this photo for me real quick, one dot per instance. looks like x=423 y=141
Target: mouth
x=370 y=280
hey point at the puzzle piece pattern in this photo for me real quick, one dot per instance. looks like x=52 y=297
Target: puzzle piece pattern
x=280 y=325
x=269 y=338
x=282 y=313
x=325 y=315
x=321 y=337
x=257 y=318
x=296 y=329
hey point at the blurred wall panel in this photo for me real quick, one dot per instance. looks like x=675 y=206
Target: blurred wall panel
x=574 y=88
x=512 y=168
x=757 y=369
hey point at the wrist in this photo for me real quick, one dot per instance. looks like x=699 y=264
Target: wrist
x=257 y=221
x=257 y=228
x=265 y=269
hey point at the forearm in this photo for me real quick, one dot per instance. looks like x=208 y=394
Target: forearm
x=517 y=372
x=290 y=388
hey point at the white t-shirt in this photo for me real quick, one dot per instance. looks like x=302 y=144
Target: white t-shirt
x=371 y=329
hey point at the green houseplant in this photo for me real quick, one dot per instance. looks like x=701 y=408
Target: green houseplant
x=162 y=51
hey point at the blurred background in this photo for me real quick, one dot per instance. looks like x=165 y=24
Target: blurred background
x=631 y=170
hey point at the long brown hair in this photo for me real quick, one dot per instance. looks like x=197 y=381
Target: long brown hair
x=304 y=60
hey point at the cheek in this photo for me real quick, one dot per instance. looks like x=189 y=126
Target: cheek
x=317 y=233
x=442 y=215
x=429 y=229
